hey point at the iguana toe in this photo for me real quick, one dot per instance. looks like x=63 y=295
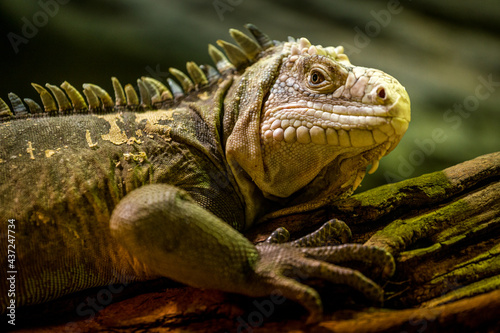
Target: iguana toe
x=380 y=261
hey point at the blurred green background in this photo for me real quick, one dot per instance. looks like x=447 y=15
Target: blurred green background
x=446 y=54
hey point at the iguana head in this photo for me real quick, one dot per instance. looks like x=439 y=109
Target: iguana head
x=310 y=122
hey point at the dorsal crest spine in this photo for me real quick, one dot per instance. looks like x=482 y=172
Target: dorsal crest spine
x=152 y=93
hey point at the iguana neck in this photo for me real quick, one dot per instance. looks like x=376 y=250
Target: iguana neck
x=242 y=113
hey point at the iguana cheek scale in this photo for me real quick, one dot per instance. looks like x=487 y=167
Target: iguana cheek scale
x=160 y=182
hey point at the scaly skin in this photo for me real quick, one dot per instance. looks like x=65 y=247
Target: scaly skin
x=163 y=186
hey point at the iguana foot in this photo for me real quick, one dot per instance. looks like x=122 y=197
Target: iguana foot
x=281 y=264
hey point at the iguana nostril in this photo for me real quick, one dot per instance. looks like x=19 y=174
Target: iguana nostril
x=381 y=92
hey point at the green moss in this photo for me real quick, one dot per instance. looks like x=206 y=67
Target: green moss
x=401 y=233
x=429 y=187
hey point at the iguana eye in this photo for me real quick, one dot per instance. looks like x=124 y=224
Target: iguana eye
x=316 y=77
x=322 y=75
x=319 y=81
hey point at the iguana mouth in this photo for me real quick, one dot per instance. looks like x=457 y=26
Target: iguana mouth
x=339 y=125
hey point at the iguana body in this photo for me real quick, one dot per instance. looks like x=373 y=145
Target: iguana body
x=135 y=190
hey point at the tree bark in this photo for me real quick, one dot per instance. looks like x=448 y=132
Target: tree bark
x=442 y=228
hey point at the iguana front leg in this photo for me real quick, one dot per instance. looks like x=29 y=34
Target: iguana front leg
x=165 y=229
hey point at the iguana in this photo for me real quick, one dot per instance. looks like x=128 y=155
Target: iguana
x=161 y=183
